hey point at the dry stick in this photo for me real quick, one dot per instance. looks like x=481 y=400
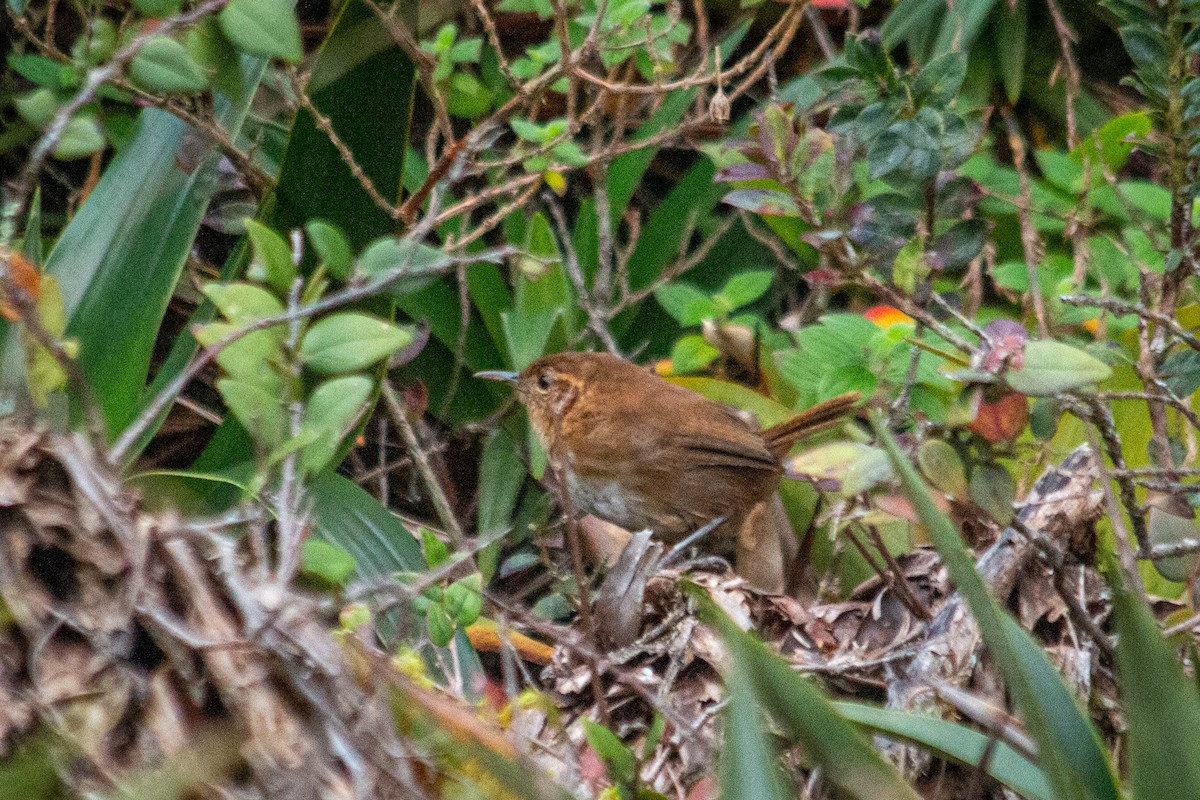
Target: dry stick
x=1054 y=558
x=398 y=411
x=1029 y=237
x=899 y=581
x=597 y=316
x=1119 y=306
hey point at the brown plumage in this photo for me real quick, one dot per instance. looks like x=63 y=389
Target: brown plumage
x=643 y=452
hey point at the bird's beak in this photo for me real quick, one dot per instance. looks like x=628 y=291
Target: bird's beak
x=499 y=375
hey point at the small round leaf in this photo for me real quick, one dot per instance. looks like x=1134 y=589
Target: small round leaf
x=349 y=342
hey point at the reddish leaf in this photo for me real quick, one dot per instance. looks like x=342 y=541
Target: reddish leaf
x=1002 y=419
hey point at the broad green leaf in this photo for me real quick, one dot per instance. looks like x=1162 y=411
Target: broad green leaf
x=692 y=354
x=346 y=515
x=439 y=625
x=266 y=28
x=413 y=258
x=943 y=467
x=164 y=65
x=1160 y=704
x=435 y=550
x=1010 y=22
x=748 y=762
x=1171 y=523
x=1053 y=367
x=248 y=357
x=955 y=741
x=501 y=474
x=39 y=107
x=348 y=342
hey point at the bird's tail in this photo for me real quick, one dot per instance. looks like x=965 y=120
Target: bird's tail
x=781 y=437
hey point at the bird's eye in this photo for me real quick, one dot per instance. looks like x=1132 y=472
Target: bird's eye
x=544 y=380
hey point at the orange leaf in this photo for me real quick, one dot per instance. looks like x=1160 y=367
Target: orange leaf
x=25 y=276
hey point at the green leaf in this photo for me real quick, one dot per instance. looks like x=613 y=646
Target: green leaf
x=164 y=65
x=744 y=288
x=748 y=765
x=1115 y=140
x=327 y=561
x=687 y=304
x=993 y=489
x=258 y=410
x=241 y=303
x=1181 y=372
x=332 y=248
x=346 y=515
x=39 y=107
x=1170 y=523
x=463 y=599
x=248 y=357
x=1161 y=706
x=501 y=475
x=329 y=414
x=441 y=628
x=348 y=342
x=80 y=138
x=413 y=258
x=956 y=741
x=272 y=263
x=958 y=245
x=266 y=28
x=692 y=354
x=940 y=79
x=1052 y=367
x=1009 y=33
x=943 y=467
x=436 y=551
x=466 y=96
x=768 y=202
x=622 y=766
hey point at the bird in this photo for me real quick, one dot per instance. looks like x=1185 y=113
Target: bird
x=642 y=452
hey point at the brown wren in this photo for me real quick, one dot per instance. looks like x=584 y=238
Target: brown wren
x=642 y=452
